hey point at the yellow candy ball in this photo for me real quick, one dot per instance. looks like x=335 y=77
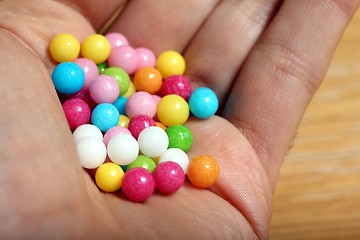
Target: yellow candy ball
x=96 y=47
x=172 y=110
x=131 y=90
x=64 y=47
x=170 y=63
x=108 y=177
x=123 y=121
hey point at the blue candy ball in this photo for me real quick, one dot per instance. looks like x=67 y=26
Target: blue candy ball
x=120 y=104
x=68 y=78
x=203 y=103
x=105 y=116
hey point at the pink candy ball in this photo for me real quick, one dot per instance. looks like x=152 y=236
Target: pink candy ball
x=116 y=39
x=138 y=184
x=140 y=103
x=139 y=123
x=112 y=132
x=104 y=89
x=90 y=70
x=169 y=177
x=77 y=112
x=146 y=58
x=176 y=84
x=124 y=57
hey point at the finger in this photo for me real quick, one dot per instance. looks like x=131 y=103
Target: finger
x=282 y=73
x=162 y=25
x=223 y=42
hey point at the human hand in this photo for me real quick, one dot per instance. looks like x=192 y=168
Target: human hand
x=265 y=59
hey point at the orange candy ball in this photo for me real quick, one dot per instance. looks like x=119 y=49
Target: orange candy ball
x=148 y=79
x=203 y=171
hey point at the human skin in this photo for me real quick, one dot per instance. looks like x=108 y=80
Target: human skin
x=265 y=59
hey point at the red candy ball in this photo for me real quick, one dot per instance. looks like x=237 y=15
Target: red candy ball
x=176 y=84
x=138 y=184
x=77 y=112
x=169 y=177
x=139 y=123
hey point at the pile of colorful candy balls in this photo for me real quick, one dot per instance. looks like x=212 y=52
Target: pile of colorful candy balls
x=127 y=109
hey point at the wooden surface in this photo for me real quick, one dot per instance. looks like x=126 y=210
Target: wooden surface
x=318 y=193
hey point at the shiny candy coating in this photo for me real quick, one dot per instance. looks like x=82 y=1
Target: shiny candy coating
x=153 y=141
x=173 y=110
x=139 y=123
x=148 y=79
x=123 y=149
x=180 y=136
x=175 y=155
x=120 y=104
x=123 y=121
x=177 y=84
x=68 y=78
x=112 y=132
x=102 y=66
x=96 y=47
x=108 y=177
x=116 y=39
x=170 y=63
x=77 y=112
x=146 y=58
x=203 y=171
x=131 y=90
x=203 y=103
x=124 y=57
x=121 y=77
x=138 y=184
x=87 y=130
x=91 y=152
x=140 y=103
x=104 y=89
x=169 y=177
x=142 y=161
x=64 y=47
x=90 y=70
x=105 y=116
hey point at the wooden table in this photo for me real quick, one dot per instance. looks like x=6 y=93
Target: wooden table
x=318 y=193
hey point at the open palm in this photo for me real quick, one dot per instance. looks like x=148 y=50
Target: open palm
x=265 y=59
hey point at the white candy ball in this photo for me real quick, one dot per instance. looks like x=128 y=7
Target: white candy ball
x=153 y=141
x=86 y=130
x=91 y=152
x=176 y=155
x=123 y=149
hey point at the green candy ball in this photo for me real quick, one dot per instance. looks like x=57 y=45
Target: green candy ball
x=102 y=66
x=142 y=161
x=121 y=77
x=180 y=136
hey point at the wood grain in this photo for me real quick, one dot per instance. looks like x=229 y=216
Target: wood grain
x=318 y=193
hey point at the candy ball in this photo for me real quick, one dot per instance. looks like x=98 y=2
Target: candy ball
x=175 y=155
x=140 y=103
x=138 y=184
x=169 y=177
x=160 y=125
x=153 y=141
x=138 y=123
x=116 y=39
x=105 y=116
x=172 y=110
x=203 y=171
x=124 y=57
x=87 y=130
x=142 y=161
x=68 y=78
x=64 y=47
x=104 y=89
x=180 y=136
x=83 y=95
x=112 y=132
x=123 y=149
x=96 y=47
x=123 y=121
x=203 y=103
x=121 y=77
x=91 y=152
x=148 y=79
x=120 y=104
x=131 y=90
x=108 y=177
x=90 y=70
x=102 y=66
x=170 y=63
x=176 y=84
x=146 y=58
x=77 y=112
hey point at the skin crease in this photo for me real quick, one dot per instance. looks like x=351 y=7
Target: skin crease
x=265 y=59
